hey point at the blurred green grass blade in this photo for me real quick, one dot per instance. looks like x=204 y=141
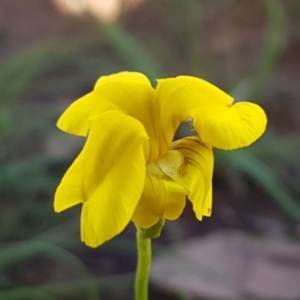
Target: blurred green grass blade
x=74 y=288
x=62 y=233
x=182 y=295
x=7 y=123
x=22 y=251
x=266 y=179
x=280 y=149
x=18 y=71
x=131 y=50
x=272 y=49
x=192 y=15
x=88 y=69
x=36 y=295
x=21 y=174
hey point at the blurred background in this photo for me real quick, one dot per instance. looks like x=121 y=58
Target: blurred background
x=52 y=52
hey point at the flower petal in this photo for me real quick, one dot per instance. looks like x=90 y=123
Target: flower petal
x=160 y=199
x=207 y=207
x=129 y=77
x=130 y=92
x=69 y=191
x=197 y=176
x=74 y=118
x=232 y=127
x=113 y=175
x=176 y=97
x=217 y=121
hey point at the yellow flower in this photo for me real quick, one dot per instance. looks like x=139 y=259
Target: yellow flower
x=130 y=168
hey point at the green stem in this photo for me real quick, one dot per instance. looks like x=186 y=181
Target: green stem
x=143 y=266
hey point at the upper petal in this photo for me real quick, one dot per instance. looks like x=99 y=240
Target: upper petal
x=113 y=177
x=197 y=176
x=130 y=92
x=216 y=120
x=232 y=127
x=74 y=118
x=177 y=96
x=129 y=77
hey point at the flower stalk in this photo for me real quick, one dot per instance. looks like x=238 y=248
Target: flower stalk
x=143 y=267
x=143 y=237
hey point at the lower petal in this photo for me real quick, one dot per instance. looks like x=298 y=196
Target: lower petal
x=69 y=191
x=160 y=199
x=204 y=208
x=207 y=207
x=114 y=175
x=197 y=177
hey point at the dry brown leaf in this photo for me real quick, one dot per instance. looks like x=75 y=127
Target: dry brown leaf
x=231 y=265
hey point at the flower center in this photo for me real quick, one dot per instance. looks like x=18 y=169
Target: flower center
x=169 y=166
